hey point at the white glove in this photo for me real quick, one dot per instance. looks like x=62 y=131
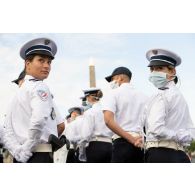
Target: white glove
x=82 y=152
x=21 y=155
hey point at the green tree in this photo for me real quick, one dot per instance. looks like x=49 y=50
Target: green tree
x=191 y=148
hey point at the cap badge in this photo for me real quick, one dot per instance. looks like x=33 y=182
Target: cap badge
x=47 y=41
x=155 y=52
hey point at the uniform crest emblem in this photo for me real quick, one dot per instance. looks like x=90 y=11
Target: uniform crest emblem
x=47 y=41
x=42 y=94
x=155 y=52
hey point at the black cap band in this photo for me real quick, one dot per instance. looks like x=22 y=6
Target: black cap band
x=159 y=63
x=38 y=48
x=163 y=59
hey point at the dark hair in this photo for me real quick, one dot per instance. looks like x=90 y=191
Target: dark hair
x=176 y=78
x=31 y=56
x=78 y=111
x=97 y=95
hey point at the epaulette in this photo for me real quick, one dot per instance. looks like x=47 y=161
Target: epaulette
x=163 y=88
x=34 y=80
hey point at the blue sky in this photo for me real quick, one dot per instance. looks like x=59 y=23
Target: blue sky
x=69 y=73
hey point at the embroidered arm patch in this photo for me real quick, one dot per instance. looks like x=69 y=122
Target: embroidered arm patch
x=42 y=94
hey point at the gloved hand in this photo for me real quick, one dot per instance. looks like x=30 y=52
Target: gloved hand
x=22 y=155
x=184 y=137
x=82 y=153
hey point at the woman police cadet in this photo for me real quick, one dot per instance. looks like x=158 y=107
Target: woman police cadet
x=167 y=119
x=94 y=130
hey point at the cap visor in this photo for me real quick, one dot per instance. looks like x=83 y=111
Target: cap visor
x=108 y=78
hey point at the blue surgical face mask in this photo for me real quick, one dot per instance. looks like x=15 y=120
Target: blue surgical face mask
x=159 y=79
x=88 y=106
x=114 y=84
x=84 y=103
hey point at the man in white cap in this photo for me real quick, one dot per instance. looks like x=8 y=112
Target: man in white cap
x=169 y=127
x=122 y=109
x=33 y=117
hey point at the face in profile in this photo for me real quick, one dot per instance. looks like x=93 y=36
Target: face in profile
x=39 y=67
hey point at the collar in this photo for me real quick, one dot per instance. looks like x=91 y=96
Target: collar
x=30 y=78
x=168 y=85
x=163 y=88
x=80 y=116
x=126 y=84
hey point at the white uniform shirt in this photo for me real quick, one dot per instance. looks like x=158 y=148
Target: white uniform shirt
x=32 y=108
x=59 y=118
x=93 y=124
x=73 y=130
x=167 y=113
x=127 y=104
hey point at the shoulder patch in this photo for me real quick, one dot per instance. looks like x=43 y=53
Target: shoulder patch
x=42 y=94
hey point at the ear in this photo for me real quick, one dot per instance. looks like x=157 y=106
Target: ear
x=27 y=65
x=88 y=98
x=120 y=78
x=172 y=71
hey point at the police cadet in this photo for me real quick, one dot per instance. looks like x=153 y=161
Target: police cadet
x=72 y=132
x=59 y=119
x=33 y=116
x=167 y=119
x=7 y=157
x=122 y=108
x=94 y=131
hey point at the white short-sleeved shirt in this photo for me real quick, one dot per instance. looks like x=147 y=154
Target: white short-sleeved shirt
x=59 y=118
x=166 y=113
x=73 y=129
x=32 y=108
x=127 y=105
x=94 y=124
